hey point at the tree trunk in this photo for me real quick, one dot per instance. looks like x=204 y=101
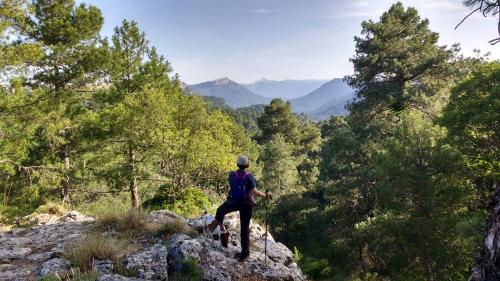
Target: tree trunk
x=487 y=264
x=134 y=192
x=66 y=181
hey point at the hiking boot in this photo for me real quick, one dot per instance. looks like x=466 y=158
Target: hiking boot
x=212 y=226
x=224 y=239
x=242 y=257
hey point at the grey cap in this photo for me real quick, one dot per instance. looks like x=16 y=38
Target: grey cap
x=242 y=161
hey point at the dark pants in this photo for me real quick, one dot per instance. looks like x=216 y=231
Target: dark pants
x=245 y=217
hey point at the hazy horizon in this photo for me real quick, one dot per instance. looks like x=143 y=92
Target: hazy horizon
x=247 y=41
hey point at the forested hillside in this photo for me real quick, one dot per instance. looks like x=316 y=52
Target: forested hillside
x=396 y=190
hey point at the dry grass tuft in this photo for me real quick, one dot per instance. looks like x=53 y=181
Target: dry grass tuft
x=52 y=208
x=97 y=247
x=130 y=223
x=135 y=220
x=174 y=226
x=109 y=220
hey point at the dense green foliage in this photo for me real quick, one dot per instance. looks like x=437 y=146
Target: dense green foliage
x=397 y=197
x=396 y=190
x=94 y=118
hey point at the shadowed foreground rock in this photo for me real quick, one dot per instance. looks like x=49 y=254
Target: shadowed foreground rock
x=31 y=253
x=487 y=261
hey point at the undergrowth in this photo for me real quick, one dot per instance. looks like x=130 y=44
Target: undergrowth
x=190 y=272
x=97 y=247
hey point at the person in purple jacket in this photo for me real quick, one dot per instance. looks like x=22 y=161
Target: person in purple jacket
x=240 y=198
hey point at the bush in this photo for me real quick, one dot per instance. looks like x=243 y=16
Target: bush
x=10 y=214
x=316 y=269
x=191 y=271
x=96 y=247
x=191 y=202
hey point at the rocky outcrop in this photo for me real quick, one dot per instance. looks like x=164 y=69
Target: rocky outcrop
x=487 y=261
x=219 y=263
x=150 y=264
x=31 y=253
x=56 y=265
x=25 y=251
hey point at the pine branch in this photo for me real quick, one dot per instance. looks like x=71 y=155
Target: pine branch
x=485 y=8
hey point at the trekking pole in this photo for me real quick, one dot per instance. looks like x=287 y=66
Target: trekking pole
x=265 y=224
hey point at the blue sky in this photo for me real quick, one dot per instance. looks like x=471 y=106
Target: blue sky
x=277 y=39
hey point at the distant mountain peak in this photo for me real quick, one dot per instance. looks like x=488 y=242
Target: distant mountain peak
x=223 y=81
x=234 y=94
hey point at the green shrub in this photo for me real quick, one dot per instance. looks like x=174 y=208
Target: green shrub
x=96 y=247
x=316 y=269
x=9 y=214
x=189 y=202
x=297 y=256
x=191 y=271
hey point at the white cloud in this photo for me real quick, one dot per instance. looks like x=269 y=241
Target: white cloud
x=367 y=13
x=361 y=4
x=445 y=5
x=262 y=11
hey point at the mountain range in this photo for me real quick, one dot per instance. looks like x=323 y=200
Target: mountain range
x=334 y=93
x=284 y=89
x=233 y=93
x=319 y=99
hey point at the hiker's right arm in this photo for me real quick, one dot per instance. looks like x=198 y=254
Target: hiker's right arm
x=261 y=194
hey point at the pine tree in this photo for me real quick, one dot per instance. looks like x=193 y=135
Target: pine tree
x=137 y=111
x=278 y=119
x=70 y=62
x=280 y=173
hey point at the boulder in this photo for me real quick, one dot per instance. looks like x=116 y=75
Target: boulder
x=180 y=248
x=13 y=253
x=151 y=264
x=162 y=216
x=103 y=267
x=74 y=216
x=57 y=266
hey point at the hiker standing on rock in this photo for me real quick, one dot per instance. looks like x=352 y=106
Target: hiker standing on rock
x=241 y=198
